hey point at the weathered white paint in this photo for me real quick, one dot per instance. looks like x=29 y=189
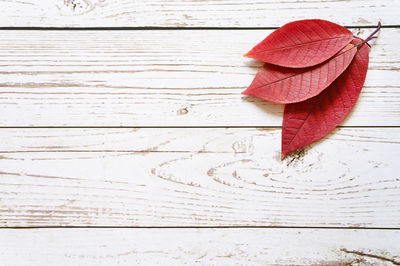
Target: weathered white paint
x=181 y=176
x=198 y=247
x=161 y=78
x=207 y=13
x=197 y=177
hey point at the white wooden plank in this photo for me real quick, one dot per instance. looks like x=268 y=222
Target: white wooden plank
x=161 y=78
x=223 y=140
x=208 y=13
x=199 y=246
x=197 y=177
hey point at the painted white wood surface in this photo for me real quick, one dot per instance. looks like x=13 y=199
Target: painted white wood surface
x=161 y=78
x=197 y=177
x=185 y=176
x=198 y=247
x=208 y=13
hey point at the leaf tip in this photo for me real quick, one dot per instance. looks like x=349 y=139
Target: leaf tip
x=250 y=54
x=283 y=155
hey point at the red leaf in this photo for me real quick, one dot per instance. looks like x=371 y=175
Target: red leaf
x=289 y=85
x=309 y=121
x=302 y=43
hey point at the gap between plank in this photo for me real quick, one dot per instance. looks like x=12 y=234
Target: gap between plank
x=165 y=127
x=205 y=227
x=172 y=28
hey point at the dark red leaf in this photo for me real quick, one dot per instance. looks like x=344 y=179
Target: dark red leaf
x=309 y=121
x=289 y=85
x=302 y=43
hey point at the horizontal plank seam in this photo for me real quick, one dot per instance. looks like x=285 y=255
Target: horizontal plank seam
x=204 y=227
x=119 y=151
x=165 y=127
x=172 y=28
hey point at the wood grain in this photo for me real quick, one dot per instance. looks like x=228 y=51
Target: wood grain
x=199 y=246
x=161 y=78
x=197 y=177
x=177 y=177
x=205 y=13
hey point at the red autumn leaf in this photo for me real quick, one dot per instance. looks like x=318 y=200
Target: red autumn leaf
x=289 y=85
x=302 y=43
x=309 y=121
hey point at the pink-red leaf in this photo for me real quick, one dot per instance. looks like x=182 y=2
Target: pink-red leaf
x=290 y=85
x=302 y=43
x=309 y=121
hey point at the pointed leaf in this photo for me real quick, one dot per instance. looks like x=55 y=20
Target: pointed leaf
x=302 y=43
x=289 y=85
x=309 y=121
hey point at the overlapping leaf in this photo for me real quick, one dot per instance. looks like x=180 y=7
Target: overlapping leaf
x=290 y=85
x=318 y=69
x=302 y=43
x=308 y=121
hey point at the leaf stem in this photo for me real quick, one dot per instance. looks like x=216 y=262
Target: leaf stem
x=371 y=36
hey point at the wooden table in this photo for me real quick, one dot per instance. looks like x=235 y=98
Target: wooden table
x=125 y=140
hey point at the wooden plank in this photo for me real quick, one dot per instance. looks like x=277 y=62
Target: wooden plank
x=199 y=246
x=197 y=177
x=161 y=78
x=208 y=13
x=223 y=140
